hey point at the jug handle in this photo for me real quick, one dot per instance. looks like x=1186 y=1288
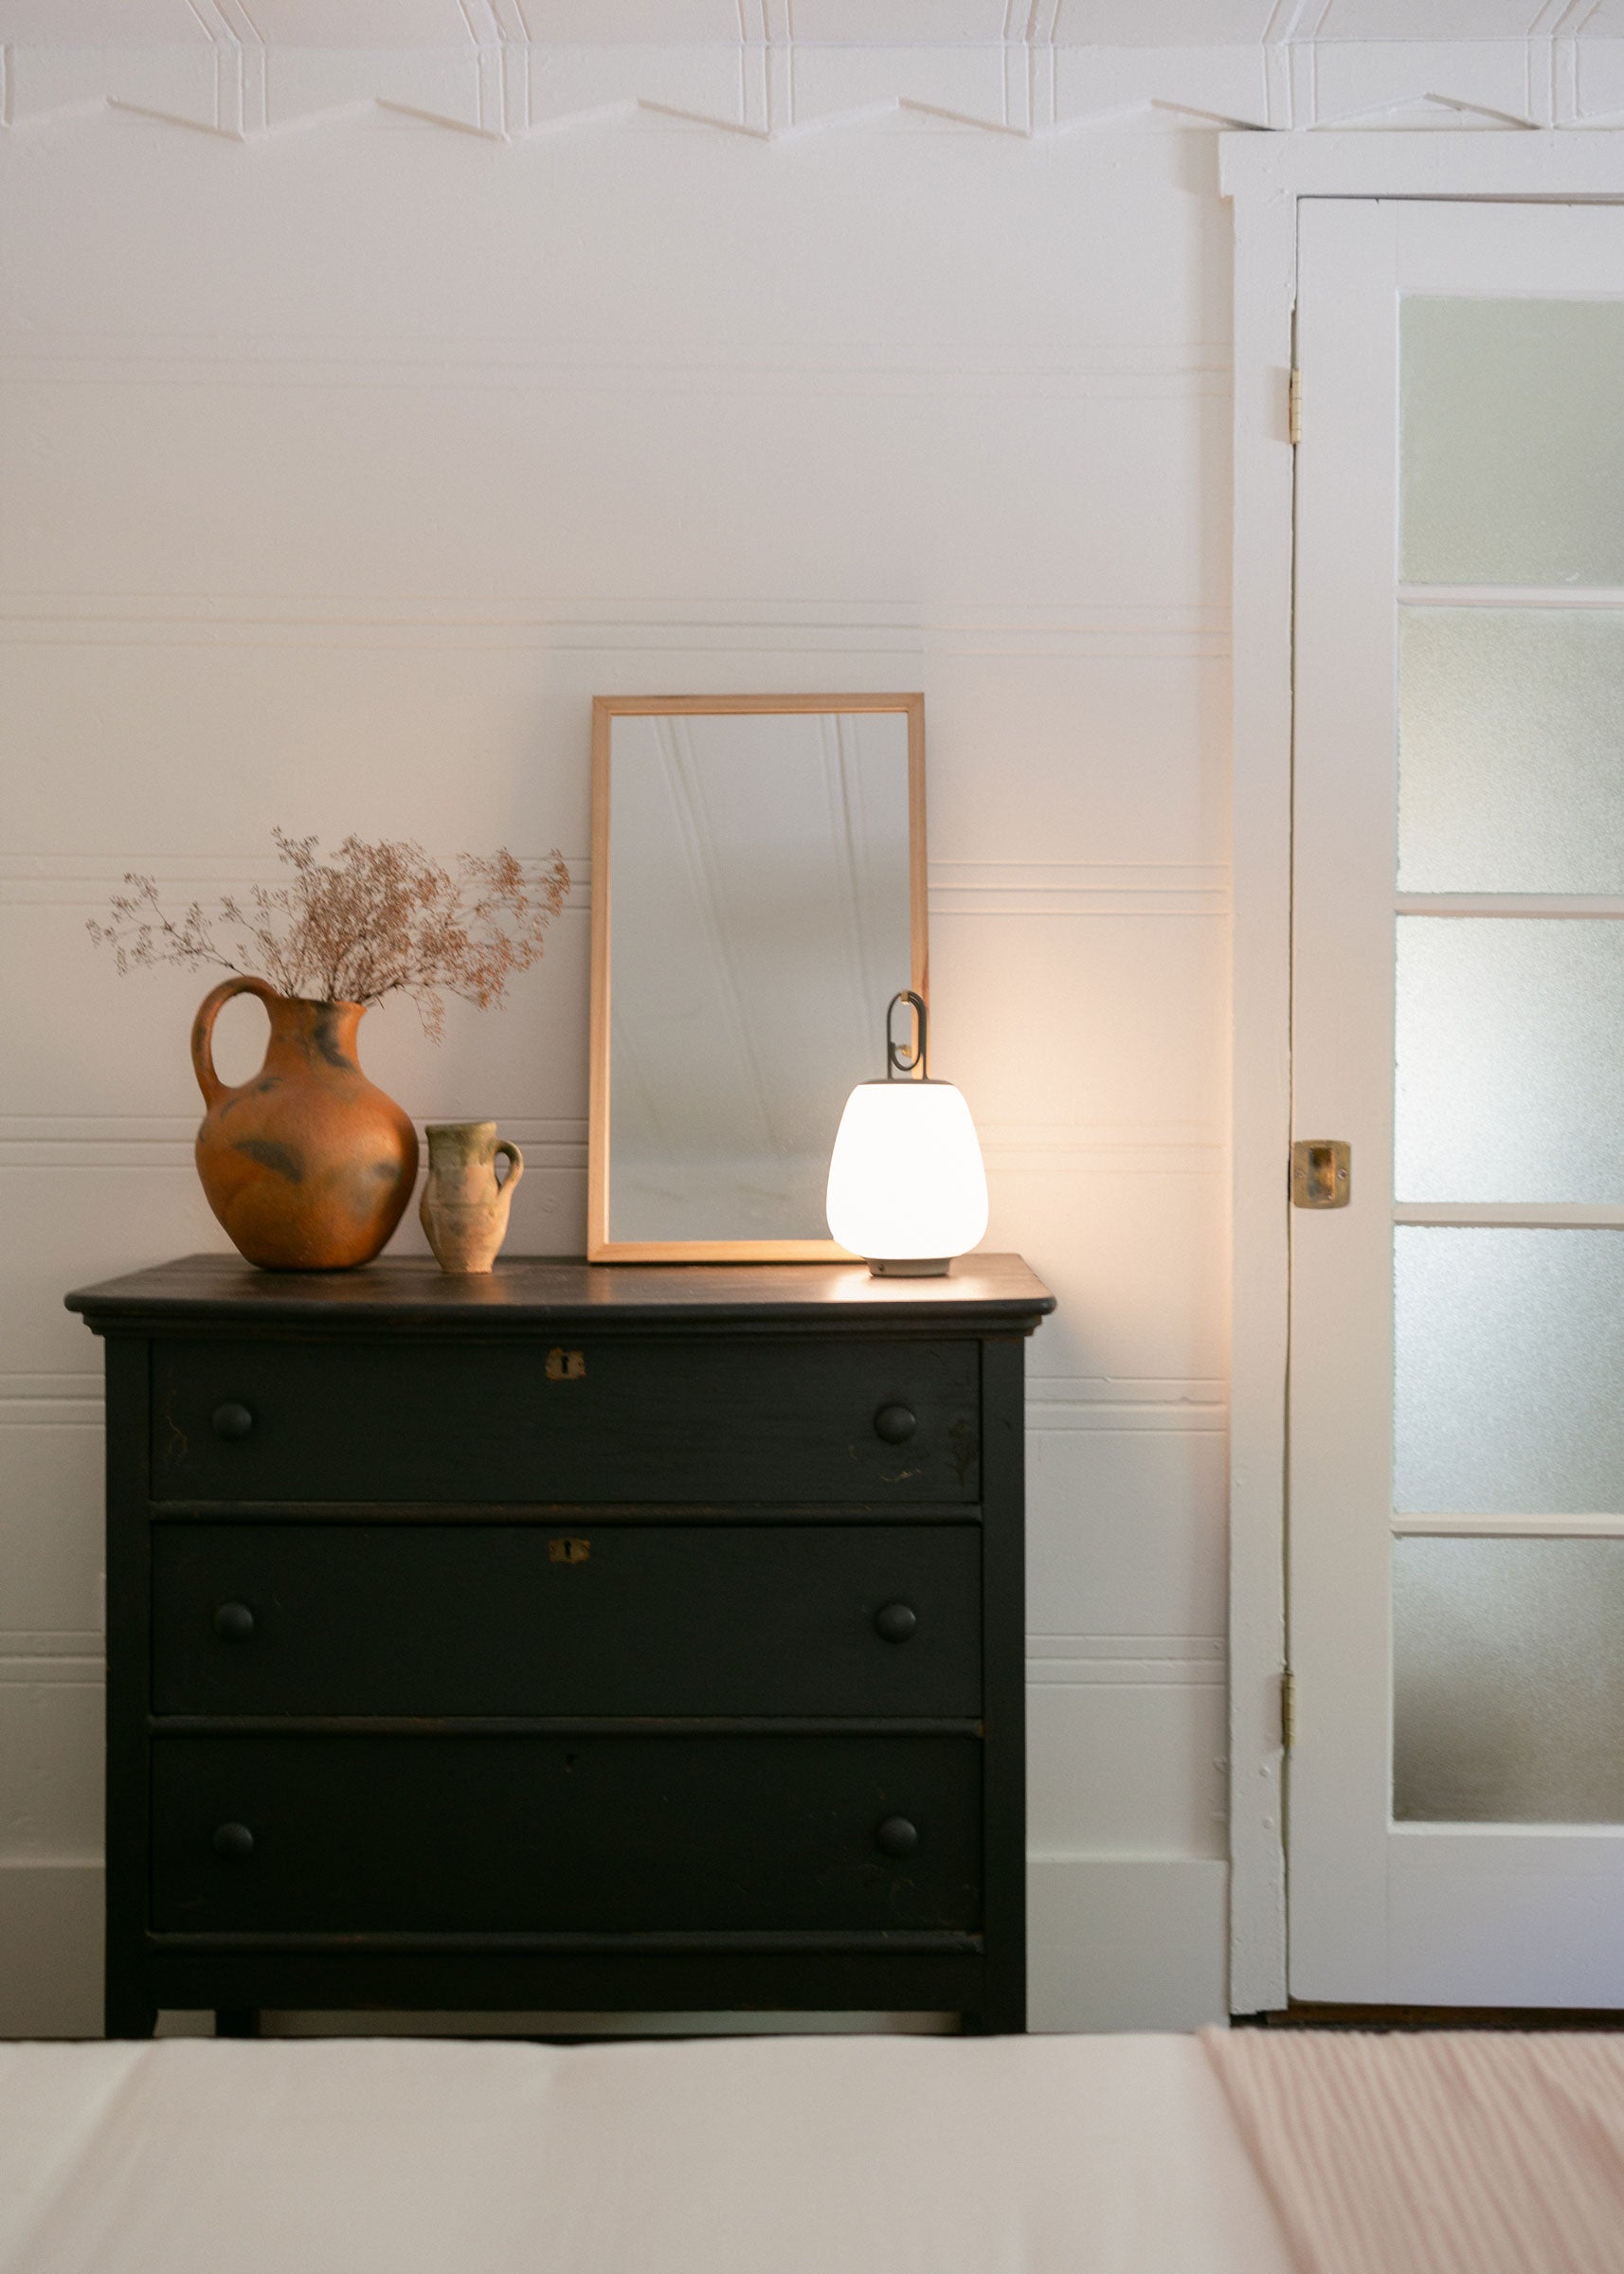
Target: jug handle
x=516 y=1160
x=202 y=1029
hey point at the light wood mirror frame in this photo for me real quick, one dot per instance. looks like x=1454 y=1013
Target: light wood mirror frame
x=605 y=710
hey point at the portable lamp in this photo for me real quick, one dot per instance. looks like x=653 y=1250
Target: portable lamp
x=907 y=1188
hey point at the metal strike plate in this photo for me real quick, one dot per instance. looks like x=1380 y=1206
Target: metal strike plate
x=566 y=1365
x=568 y=1551
x=1322 y=1173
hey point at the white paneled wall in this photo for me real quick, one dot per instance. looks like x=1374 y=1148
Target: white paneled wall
x=340 y=470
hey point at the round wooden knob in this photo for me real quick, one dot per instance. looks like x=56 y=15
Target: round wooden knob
x=232 y=1421
x=896 y=1836
x=233 y=1841
x=894 y=1622
x=896 y=1424
x=233 y=1622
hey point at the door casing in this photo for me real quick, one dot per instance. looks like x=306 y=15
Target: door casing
x=1267 y=177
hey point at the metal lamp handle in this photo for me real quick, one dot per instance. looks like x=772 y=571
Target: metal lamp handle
x=901 y=1057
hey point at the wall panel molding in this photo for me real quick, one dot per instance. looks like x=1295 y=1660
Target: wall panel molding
x=1054 y=1402
x=166 y=1143
x=1147 y=630
x=957 y=888
x=164 y=1140
x=1186 y=1417
x=500 y=363
x=1126 y=1661
x=29 y=1655
x=32 y=1659
x=1075 y=888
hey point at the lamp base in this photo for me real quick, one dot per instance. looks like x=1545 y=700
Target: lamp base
x=909 y=1267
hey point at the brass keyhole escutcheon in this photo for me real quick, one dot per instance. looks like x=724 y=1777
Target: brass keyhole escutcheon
x=566 y=1365
x=568 y=1551
x=1322 y=1173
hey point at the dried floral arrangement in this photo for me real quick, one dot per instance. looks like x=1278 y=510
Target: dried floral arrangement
x=374 y=920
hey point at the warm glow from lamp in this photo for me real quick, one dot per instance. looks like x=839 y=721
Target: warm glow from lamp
x=907 y=1188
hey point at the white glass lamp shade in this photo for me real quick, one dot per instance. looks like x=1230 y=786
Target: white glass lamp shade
x=907 y=1188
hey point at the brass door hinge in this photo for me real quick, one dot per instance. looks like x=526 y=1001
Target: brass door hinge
x=1295 y=407
x=1288 y=1710
x=1322 y=1173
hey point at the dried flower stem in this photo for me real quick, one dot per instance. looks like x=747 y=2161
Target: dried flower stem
x=375 y=920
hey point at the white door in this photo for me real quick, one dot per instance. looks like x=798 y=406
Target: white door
x=1456 y=1470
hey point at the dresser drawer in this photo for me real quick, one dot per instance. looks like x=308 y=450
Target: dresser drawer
x=442 y=1619
x=698 y=1419
x=533 y=1835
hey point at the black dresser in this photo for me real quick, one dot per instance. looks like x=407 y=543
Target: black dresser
x=578 y=1638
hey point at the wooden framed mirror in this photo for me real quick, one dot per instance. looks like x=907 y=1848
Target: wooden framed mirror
x=758 y=898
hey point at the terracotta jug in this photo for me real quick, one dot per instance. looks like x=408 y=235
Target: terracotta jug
x=464 y=1210
x=308 y=1165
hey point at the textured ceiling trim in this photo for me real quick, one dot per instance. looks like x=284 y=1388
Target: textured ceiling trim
x=506 y=89
x=807 y=24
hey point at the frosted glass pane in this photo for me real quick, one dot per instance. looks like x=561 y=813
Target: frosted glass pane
x=1510 y=751
x=1508 y=1371
x=1512 y=441
x=1509 y=1681
x=1511 y=1059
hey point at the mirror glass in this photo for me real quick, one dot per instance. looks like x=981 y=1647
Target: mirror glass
x=760 y=917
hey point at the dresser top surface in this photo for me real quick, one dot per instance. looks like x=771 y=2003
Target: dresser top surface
x=546 y=1290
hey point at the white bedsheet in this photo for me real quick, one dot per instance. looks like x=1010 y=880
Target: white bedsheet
x=777 y=2156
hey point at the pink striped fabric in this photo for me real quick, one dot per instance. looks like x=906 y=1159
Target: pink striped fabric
x=1474 y=2152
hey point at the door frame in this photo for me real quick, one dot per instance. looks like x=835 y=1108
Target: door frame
x=1266 y=176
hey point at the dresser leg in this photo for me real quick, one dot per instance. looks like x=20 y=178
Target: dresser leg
x=1001 y=2017
x=236 y=2021
x=124 y=2016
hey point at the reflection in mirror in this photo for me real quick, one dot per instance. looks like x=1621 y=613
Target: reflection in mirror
x=760 y=919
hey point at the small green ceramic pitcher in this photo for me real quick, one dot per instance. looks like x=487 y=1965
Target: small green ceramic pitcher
x=465 y=1208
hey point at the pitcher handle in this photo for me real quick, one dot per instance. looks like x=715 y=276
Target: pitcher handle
x=203 y=1029
x=516 y=1162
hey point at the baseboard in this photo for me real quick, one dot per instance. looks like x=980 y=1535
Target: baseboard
x=1117 y=1942
x=1126 y=1942
x=50 y=1950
